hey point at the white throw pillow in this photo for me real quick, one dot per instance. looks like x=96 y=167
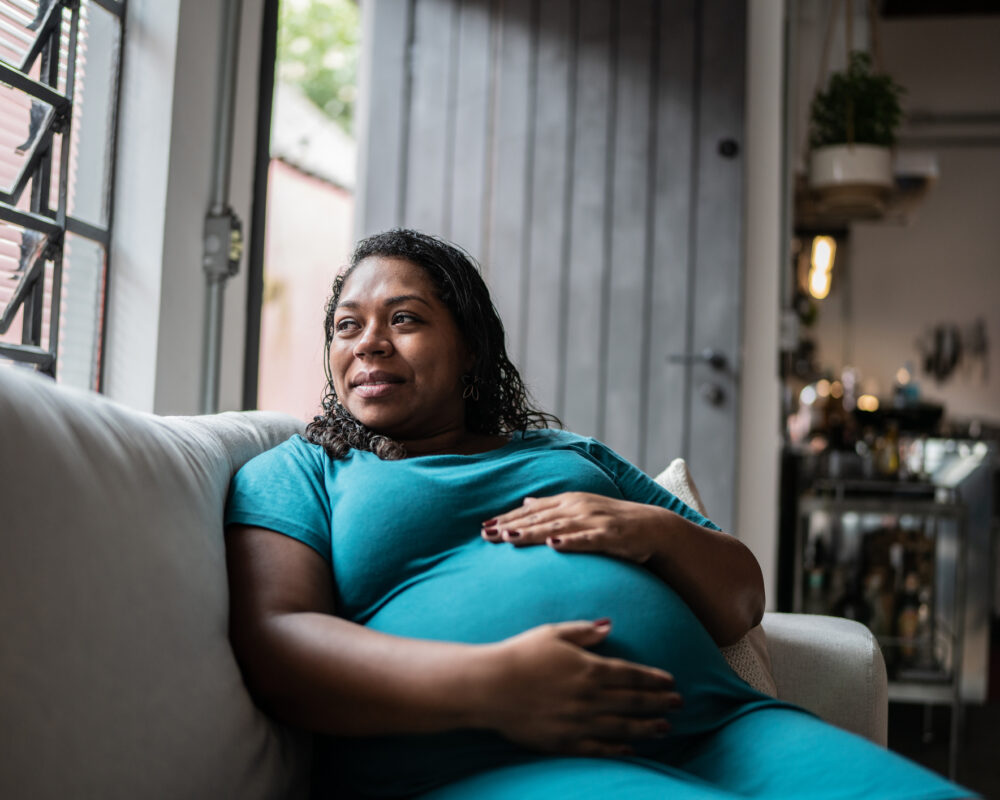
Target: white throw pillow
x=116 y=675
x=749 y=657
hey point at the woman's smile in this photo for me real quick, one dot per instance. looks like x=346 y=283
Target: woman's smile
x=371 y=390
x=376 y=383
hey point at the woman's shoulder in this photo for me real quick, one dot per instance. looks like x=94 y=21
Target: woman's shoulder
x=555 y=437
x=295 y=451
x=296 y=446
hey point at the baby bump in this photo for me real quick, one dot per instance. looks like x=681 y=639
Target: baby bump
x=488 y=592
x=485 y=593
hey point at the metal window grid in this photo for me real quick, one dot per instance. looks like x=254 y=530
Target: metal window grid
x=44 y=227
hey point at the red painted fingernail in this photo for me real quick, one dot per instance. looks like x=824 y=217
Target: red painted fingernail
x=489 y=523
x=603 y=622
x=555 y=540
x=491 y=532
x=513 y=534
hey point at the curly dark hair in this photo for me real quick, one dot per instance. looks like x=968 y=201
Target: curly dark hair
x=503 y=406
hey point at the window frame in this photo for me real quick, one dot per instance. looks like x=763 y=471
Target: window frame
x=40 y=218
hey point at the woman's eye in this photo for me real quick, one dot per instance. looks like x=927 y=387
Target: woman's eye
x=401 y=317
x=345 y=325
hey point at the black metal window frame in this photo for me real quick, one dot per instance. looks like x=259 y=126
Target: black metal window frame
x=40 y=218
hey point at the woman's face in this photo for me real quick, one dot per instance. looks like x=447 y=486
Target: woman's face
x=397 y=356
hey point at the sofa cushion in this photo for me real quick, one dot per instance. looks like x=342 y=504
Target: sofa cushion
x=116 y=674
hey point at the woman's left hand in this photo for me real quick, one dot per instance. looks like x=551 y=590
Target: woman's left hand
x=582 y=522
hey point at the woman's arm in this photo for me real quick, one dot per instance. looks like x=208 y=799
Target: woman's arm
x=713 y=572
x=310 y=668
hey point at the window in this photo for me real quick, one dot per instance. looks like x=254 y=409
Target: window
x=59 y=71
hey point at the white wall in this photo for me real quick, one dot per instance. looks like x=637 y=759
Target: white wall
x=942 y=267
x=157 y=287
x=760 y=432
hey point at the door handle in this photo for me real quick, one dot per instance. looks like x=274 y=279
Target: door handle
x=714 y=358
x=712 y=393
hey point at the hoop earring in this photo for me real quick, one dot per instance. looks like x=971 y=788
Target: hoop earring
x=471 y=391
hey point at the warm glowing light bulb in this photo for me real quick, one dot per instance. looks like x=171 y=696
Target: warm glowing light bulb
x=836 y=390
x=824 y=250
x=823 y=388
x=868 y=402
x=902 y=375
x=819 y=283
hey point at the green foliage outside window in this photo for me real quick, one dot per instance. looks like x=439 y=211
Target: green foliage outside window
x=318 y=52
x=858 y=105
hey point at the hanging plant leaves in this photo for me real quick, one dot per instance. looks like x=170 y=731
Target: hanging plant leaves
x=857 y=106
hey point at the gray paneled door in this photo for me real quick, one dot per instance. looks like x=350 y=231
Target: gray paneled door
x=587 y=152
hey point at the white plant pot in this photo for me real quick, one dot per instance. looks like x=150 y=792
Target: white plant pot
x=840 y=164
x=851 y=181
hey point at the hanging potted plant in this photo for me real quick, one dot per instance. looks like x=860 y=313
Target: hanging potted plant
x=853 y=124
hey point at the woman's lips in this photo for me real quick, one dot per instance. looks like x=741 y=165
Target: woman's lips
x=375 y=389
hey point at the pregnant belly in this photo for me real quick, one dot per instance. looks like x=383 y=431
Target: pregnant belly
x=488 y=592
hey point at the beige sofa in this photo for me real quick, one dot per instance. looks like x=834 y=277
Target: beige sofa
x=116 y=675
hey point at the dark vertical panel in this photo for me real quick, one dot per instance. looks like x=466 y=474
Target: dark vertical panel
x=511 y=136
x=588 y=232
x=552 y=143
x=626 y=329
x=258 y=213
x=430 y=112
x=671 y=220
x=719 y=242
x=464 y=221
x=385 y=51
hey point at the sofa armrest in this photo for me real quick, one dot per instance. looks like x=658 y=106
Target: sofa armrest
x=832 y=667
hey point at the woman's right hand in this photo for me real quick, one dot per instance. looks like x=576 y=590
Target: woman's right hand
x=545 y=691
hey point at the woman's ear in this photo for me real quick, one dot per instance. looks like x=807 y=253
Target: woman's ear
x=471 y=359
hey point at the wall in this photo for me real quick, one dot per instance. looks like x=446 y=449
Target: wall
x=760 y=432
x=942 y=266
x=309 y=239
x=157 y=287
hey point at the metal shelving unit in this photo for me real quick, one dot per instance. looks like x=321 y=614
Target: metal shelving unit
x=841 y=517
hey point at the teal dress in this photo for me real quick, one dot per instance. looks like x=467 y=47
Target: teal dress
x=402 y=539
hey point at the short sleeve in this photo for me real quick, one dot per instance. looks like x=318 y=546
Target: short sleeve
x=637 y=486
x=284 y=490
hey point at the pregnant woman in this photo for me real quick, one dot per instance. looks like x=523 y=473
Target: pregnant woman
x=474 y=605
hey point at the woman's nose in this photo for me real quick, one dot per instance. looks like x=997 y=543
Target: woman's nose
x=372 y=342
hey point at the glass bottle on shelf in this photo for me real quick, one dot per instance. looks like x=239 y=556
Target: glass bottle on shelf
x=908 y=618
x=887 y=452
x=815 y=599
x=853 y=604
x=925 y=659
x=875 y=596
